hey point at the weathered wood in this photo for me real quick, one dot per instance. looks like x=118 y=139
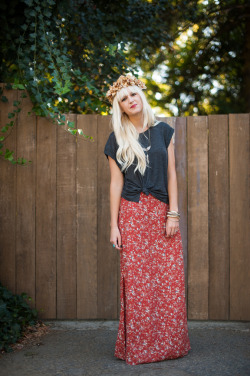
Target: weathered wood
x=46 y=219
x=179 y=140
x=25 y=201
x=66 y=223
x=181 y=170
x=218 y=207
x=239 y=217
x=171 y=121
x=8 y=200
x=55 y=216
x=107 y=257
x=87 y=219
x=197 y=149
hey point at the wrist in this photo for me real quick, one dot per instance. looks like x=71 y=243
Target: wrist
x=173 y=220
x=173 y=208
x=114 y=225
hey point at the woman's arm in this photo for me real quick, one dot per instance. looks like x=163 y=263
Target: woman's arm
x=116 y=185
x=172 y=224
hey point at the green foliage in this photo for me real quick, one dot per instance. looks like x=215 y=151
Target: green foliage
x=66 y=53
x=205 y=68
x=59 y=56
x=15 y=315
x=6 y=130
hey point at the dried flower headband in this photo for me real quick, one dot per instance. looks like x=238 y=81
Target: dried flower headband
x=123 y=81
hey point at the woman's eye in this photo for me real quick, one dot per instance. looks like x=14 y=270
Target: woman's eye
x=123 y=99
x=133 y=94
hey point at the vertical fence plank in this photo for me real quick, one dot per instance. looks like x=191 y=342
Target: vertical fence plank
x=107 y=257
x=218 y=218
x=46 y=219
x=87 y=219
x=26 y=190
x=66 y=223
x=8 y=200
x=197 y=149
x=171 y=121
x=181 y=170
x=239 y=215
x=179 y=139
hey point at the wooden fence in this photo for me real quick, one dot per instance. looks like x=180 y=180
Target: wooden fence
x=55 y=216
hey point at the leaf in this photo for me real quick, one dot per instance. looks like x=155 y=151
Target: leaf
x=4 y=99
x=9 y=155
x=28 y=2
x=71 y=124
x=32 y=13
x=4 y=129
x=18 y=86
x=72 y=131
x=47 y=13
x=24 y=27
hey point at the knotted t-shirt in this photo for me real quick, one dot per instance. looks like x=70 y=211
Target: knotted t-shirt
x=154 y=181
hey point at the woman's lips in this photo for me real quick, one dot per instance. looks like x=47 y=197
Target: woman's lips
x=133 y=105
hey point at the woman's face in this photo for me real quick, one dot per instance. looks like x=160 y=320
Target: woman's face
x=131 y=103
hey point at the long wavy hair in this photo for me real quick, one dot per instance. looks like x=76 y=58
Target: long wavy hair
x=126 y=135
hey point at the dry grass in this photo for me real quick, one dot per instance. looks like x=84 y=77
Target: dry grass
x=30 y=336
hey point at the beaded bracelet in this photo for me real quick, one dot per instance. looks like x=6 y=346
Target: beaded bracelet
x=173 y=214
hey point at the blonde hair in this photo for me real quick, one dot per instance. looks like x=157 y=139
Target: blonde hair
x=126 y=134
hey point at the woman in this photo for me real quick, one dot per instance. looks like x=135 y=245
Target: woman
x=145 y=229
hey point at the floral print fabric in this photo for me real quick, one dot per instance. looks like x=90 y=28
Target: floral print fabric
x=153 y=323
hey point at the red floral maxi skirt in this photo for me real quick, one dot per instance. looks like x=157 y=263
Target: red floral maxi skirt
x=153 y=322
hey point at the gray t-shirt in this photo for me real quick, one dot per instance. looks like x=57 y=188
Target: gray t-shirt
x=154 y=181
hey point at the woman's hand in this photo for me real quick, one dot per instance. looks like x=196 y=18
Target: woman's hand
x=115 y=237
x=116 y=185
x=172 y=226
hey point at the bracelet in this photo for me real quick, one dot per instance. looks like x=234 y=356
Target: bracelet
x=174 y=212
x=173 y=220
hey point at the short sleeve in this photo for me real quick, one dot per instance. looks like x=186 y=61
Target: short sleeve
x=168 y=133
x=111 y=148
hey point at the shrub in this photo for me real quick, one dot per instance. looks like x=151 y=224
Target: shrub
x=15 y=315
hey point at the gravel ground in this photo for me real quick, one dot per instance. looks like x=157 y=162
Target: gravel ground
x=85 y=348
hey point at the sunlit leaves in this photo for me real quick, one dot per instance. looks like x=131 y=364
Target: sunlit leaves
x=210 y=54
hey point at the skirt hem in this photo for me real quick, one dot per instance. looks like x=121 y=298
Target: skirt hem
x=155 y=360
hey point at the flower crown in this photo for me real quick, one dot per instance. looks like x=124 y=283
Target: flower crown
x=123 y=81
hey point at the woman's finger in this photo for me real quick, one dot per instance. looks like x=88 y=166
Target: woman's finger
x=120 y=241
x=116 y=243
x=171 y=228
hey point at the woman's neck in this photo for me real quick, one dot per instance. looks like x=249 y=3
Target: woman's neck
x=137 y=122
